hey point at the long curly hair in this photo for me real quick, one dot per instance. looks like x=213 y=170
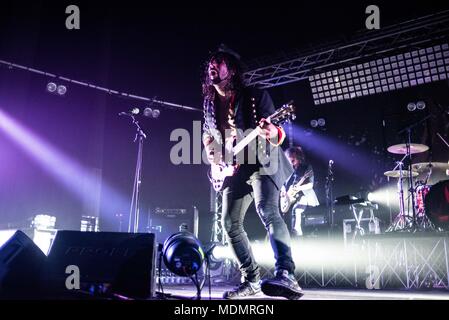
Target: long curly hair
x=233 y=63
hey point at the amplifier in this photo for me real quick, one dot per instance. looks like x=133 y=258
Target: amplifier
x=314 y=221
x=164 y=222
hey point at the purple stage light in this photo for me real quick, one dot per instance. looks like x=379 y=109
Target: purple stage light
x=51 y=87
x=86 y=184
x=352 y=160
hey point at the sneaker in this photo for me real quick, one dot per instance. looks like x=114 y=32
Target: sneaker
x=284 y=285
x=245 y=289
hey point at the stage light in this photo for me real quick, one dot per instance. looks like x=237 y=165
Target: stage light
x=56 y=89
x=382 y=75
x=51 y=87
x=89 y=223
x=321 y=122
x=411 y=106
x=43 y=239
x=386 y=196
x=220 y=253
x=420 y=105
x=83 y=182
x=183 y=254
x=62 y=90
x=5 y=235
x=156 y=113
x=44 y=231
x=43 y=222
x=150 y=113
x=314 y=123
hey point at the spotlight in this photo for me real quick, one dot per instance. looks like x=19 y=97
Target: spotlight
x=370 y=197
x=43 y=222
x=150 y=113
x=62 y=90
x=321 y=122
x=183 y=254
x=220 y=253
x=411 y=107
x=51 y=87
x=156 y=113
x=314 y=123
x=420 y=105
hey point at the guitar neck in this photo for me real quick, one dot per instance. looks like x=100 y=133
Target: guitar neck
x=244 y=142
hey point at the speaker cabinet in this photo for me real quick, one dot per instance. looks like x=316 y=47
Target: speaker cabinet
x=21 y=266
x=119 y=263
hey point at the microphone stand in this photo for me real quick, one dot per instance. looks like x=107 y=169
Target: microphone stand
x=134 y=210
x=330 y=197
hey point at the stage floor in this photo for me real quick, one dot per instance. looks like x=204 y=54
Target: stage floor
x=187 y=291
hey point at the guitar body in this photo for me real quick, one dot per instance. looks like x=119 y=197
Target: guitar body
x=287 y=199
x=285 y=202
x=290 y=196
x=220 y=175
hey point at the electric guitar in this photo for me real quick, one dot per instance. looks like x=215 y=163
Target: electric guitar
x=292 y=194
x=220 y=174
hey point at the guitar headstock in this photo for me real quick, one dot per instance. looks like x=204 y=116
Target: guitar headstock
x=284 y=114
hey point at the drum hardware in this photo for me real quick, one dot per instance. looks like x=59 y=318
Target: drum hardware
x=425 y=166
x=422 y=220
x=402 y=148
x=397 y=173
x=402 y=220
x=444 y=141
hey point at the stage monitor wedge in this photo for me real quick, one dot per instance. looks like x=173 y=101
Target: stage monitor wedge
x=111 y=262
x=21 y=266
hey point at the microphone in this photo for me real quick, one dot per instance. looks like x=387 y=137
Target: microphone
x=131 y=112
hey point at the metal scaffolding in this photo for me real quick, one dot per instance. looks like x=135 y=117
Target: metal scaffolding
x=217 y=235
x=112 y=92
x=299 y=65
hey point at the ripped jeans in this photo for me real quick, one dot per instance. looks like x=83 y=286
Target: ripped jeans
x=236 y=200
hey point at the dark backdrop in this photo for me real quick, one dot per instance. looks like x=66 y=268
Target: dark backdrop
x=157 y=52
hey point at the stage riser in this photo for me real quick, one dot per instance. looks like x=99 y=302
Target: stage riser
x=397 y=261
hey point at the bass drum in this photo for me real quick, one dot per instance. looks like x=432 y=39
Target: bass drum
x=437 y=204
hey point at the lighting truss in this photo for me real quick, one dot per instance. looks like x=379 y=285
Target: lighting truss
x=382 y=75
x=397 y=261
x=151 y=101
x=411 y=263
x=216 y=202
x=300 y=65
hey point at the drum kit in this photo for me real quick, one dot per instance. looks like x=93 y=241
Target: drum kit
x=421 y=216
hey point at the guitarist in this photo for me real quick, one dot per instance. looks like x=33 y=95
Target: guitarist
x=306 y=195
x=229 y=106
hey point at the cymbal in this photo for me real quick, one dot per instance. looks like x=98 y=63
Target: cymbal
x=426 y=166
x=402 y=148
x=397 y=173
